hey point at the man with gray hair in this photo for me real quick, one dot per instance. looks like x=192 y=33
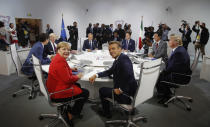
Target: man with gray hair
x=50 y=48
x=178 y=62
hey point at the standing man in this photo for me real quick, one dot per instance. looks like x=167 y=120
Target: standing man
x=120 y=31
x=128 y=44
x=159 y=48
x=49 y=30
x=186 y=32
x=89 y=29
x=73 y=32
x=179 y=62
x=50 y=48
x=204 y=38
x=123 y=76
x=90 y=44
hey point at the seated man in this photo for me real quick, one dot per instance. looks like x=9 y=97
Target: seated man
x=50 y=48
x=123 y=76
x=37 y=51
x=159 y=48
x=128 y=44
x=179 y=62
x=90 y=44
x=115 y=37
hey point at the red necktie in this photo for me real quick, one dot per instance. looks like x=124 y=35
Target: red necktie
x=157 y=46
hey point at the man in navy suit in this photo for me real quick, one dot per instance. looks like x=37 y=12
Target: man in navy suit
x=123 y=76
x=37 y=51
x=50 y=48
x=90 y=44
x=115 y=37
x=178 y=62
x=128 y=44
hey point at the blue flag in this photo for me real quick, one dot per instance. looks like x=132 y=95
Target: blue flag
x=63 y=31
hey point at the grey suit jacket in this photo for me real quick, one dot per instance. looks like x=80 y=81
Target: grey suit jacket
x=161 y=51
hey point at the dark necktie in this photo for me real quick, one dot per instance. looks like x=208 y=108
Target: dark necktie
x=54 y=48
x=157 y=46
x=126 y=45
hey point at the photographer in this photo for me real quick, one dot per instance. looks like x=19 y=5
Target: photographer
x=186 y=34
x=73 y=33
x=164 y=30
x=146 y=44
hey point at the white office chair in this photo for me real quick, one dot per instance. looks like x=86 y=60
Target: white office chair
x=195 y=60
x=80 y=45
x=149 y=73
x=17 y=62
x=60 y=106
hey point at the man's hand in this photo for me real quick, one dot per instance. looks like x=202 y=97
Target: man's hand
x=117 y=91
x=150 y=55
x=80 y=75
x=52 y=57
x=74 y=69
x=89 y=50
x=92 y=79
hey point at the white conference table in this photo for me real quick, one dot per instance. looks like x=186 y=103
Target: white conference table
x=94 y=62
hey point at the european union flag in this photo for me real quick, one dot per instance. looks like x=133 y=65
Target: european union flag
x=63 y=31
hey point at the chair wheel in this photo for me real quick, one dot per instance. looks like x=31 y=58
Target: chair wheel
x=145 y=120
x=41 y=117
x=14 y=95
x=165 y=105
x=188 y=109
x=190 y=100
x=30 y=97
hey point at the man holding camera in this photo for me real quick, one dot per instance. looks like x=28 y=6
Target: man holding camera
x=73 y=33
x=202 y=36
x=186 y=34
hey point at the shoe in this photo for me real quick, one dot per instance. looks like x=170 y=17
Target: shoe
x=107 y=115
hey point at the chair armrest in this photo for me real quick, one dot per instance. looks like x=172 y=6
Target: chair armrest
x=175 y=84
x=62 y=91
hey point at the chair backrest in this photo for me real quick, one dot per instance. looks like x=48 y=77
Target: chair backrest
x=195 y=61
x=38 y=72
x=80 y=45
x=15 y=59
x=149 y=74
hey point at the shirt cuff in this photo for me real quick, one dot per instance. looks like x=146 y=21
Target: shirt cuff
x=96 y=75
x=120 y=90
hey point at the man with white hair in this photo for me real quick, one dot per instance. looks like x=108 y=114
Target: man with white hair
x=50 y=48
x=178 y=62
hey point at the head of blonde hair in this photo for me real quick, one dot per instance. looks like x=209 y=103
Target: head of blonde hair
x=177 y=39
x=63 y=45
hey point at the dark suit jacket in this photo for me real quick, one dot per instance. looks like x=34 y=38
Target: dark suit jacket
x=86 y=45
x=117 y=39
x=121 y=33
x=37 y=51
x=186 y=35
x=89 y=30
x=48 y=50
x=123 y=76
x=204 y=36
x=131 y=45
x=179 y=62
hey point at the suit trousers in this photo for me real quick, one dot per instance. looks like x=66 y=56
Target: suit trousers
x=105 y=92
x=78 y=105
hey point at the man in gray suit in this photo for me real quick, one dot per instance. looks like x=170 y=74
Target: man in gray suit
x=159 y=48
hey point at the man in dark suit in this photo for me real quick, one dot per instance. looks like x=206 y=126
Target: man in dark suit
x=50 y=48
x=204 y=38
x=128 y=44
x=89 y=29
x=49 y=30
x=115 y=37
x=186 y=38
x=179 y=62
x=159 y=48
x=123 y=76
x=120 y=31
x=90 y=44
x=37 y=51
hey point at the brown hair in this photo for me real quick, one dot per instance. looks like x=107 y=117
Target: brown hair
x=115 y=42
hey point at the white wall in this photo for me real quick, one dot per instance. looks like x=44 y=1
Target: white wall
x=108 y=11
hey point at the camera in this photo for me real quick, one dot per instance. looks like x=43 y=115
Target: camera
x=184 y=23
